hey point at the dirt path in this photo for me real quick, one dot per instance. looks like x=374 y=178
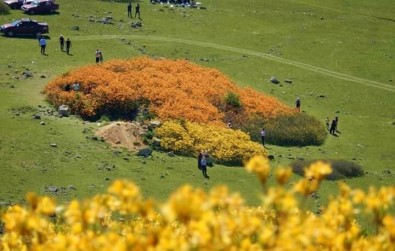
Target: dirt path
x=266 y=56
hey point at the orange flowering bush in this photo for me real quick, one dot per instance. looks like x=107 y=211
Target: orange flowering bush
x=172 y=89
x=224 y=145
x=192 y=219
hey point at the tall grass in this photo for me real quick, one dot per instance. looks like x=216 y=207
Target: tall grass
x=298 y=129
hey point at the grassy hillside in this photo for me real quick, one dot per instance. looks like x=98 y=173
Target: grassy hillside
x=340 y=65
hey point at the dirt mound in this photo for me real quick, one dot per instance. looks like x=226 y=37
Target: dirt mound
x=123 y=134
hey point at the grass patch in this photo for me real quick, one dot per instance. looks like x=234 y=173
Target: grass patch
x=341 y=169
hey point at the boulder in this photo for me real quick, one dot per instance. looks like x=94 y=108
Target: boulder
x=171 y=154
x=156 y=142
x=52 y=189
x=144 y=152
x=288 y=81
x=71 y=187
x=274 y=80
x=64 y=110
x=136 y=25
x=27 y=74
x=154 y=124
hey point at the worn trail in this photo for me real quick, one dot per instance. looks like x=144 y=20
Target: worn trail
x=266 y=56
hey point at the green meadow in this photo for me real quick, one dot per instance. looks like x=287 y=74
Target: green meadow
x=340 y=56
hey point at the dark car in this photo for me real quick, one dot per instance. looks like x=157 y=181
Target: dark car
x=14 y=4
x=24 y=26
x=40 y=6
x=17 y=4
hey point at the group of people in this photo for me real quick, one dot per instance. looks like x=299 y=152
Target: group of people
x=43 y=44
x=62 y=43
x=137 y=10
x=202 y=163
x=332 y=126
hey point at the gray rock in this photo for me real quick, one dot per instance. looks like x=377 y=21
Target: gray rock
x=64 y=110
x=27 y=74
x=52 y=189
x=53 y=145
x=42 y=123
x=136 y=25
x=71 y=187
x=171 y=154
x=144 y=152
x=156 y=142
x=274 y=80
x=36 y=116
x=154 y=123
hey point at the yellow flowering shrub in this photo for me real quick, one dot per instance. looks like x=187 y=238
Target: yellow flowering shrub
x=192 y=219
x=224 y=145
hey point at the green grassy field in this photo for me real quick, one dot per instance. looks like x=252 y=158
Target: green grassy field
x=343 y=51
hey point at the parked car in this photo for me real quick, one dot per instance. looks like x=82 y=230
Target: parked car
x=24 y=26
x=17 y=4
x=40 y=6
x=14 y=4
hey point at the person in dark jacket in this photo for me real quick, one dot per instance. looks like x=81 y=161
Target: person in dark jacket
x=68 y=46
x=137 y=11
x=203 y=164
x=298 y=104
x=61 y=42
x=130 y=9
x=200 y=160
x=332 y=130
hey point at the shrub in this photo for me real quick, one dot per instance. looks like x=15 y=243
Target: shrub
x=341 y=169
x=297 y=129
x=171 y=89
x=4 y=9
x=232 y=100
x=226 y=146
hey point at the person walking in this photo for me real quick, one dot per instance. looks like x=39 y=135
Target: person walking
x=337 y=123
x=332 y=130
x=130 y=10
x=200 y=156
x=68 y=46
x=298 y=104
x=137 y=11
x=203 y=164
x=43 y=45
x=99 y=56
x=263 y=135
x=61 y=42
x=327 y=123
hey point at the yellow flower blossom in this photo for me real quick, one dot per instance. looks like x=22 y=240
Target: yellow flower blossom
x=192 y=219
x=260 y=166
x=283 y=175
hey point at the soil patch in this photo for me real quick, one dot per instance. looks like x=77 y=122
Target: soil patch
x=123 y=134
